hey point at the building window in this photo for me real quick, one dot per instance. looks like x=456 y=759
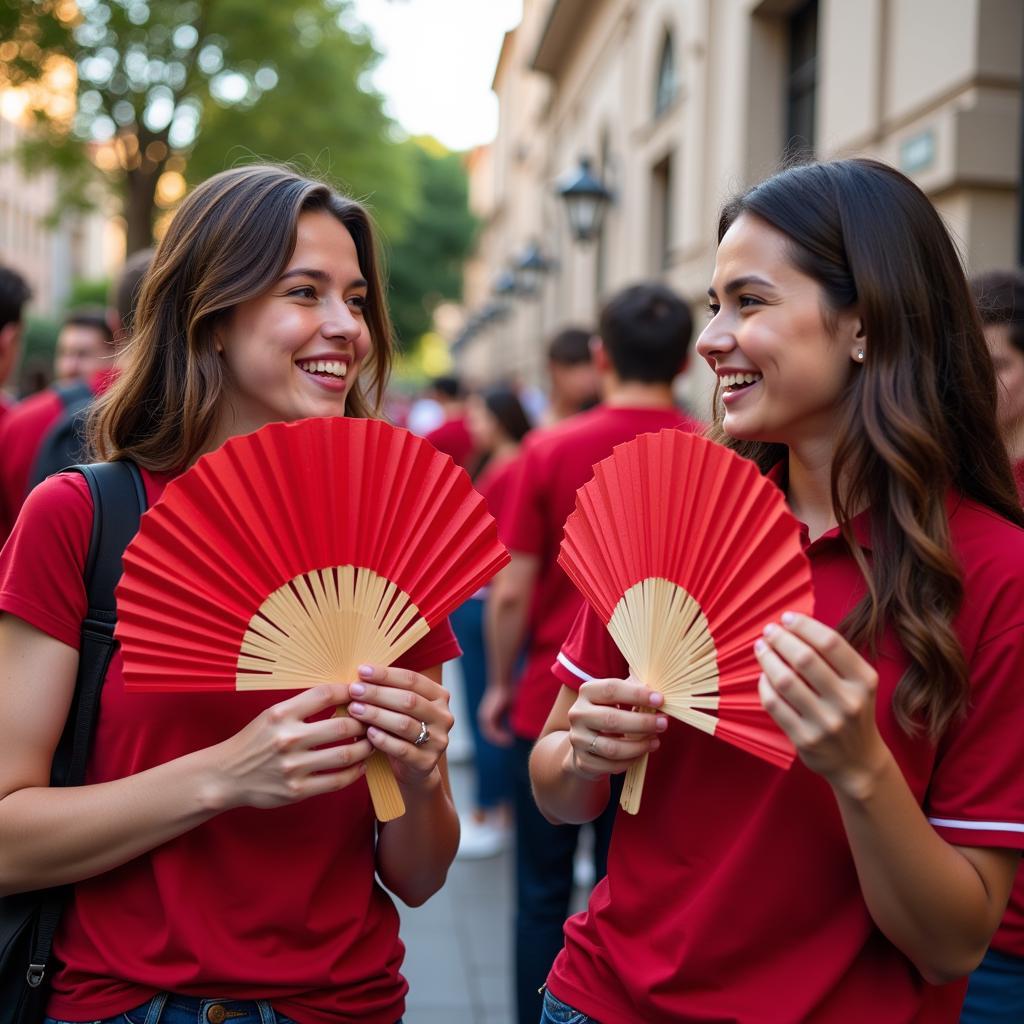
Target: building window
x=802 y=81
x=661 y=215
x=666 y=85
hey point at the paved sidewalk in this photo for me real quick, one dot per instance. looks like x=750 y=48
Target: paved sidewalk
x=458 y=945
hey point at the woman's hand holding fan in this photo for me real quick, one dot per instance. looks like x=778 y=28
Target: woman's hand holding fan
x=687 y=553
x=295 y=555
x=611 y=726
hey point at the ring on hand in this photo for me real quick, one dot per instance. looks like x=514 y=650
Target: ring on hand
x=423 y=736
x=593 y=745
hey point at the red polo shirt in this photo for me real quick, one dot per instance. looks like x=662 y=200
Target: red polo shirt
x=732 y=894
x=554 y=463
x=275 y=904
x=1010 y=937
x=21 y=433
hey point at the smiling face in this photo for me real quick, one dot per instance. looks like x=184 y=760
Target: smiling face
x=295 y=351
x=781 y=370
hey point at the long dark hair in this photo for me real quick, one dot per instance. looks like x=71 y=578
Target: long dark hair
x=917 y=418
x=503 y=403
x=228 y=242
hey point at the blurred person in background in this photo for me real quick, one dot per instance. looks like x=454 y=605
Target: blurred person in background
x=1000 y=298
x=46 y=428
x=642 y=345
x=14 y=294
x=451 y=436
x=497 y=423
x=995 y=992
x=574 y=378
x=85 y=346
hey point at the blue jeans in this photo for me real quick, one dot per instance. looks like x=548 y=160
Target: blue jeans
x=544 y=882
x=492 y=773
x=995 y=993
x=166 y=1008
x=554 y=1011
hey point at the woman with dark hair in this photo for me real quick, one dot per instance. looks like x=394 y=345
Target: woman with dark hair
x=223 y=855
x=497 y=423
x=865 y=882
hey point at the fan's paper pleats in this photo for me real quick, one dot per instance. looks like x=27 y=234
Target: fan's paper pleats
x=295 y=554
x=686 y=551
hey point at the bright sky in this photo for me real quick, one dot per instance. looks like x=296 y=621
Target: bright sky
x=439 y=59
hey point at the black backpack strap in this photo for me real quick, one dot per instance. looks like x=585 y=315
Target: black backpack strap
x=118 y=500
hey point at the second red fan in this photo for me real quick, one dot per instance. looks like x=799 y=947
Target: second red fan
x=291 y=556
x=687 y=552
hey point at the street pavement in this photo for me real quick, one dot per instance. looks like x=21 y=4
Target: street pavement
x=458 y=957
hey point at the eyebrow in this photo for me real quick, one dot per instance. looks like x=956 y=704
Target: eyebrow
x=319 y=275
x=742 y=282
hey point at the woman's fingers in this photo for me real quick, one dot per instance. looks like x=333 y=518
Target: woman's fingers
x=400 y=679
x=328 y=759
x=831 y=646
x=307 y=703
x=406 y=727
x=620 y=691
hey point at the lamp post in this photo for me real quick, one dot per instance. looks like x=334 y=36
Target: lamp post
x=586 y=199
x=530 y=267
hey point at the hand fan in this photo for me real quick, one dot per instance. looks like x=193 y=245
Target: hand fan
x=687 y=552
x=291 y=556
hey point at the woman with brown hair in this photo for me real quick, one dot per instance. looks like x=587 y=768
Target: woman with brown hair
x=224 y=851
x=865 y=882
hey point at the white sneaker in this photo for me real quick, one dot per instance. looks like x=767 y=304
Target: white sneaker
x=481 y=839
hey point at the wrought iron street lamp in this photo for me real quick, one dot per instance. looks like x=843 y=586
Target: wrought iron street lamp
x=586 y=199
x=530 y=267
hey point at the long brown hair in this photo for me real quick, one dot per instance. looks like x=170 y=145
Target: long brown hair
x=917 y=418
x=229 y=242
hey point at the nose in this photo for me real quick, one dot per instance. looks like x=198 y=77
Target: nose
x=715 y=340
x=339 y=321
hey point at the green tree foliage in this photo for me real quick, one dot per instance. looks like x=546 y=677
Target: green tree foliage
x=425 y=263
x=163 y=82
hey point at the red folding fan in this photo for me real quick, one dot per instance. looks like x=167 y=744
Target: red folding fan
x=291 y=556
x=687 y=552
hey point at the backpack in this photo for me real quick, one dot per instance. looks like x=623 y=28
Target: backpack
x=64 y=443
x=29 y=920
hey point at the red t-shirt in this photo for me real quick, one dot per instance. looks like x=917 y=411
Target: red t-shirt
x=21 y=434
x=21 y=431
x=453 y=438
x=732 y=894
x=258 y=904
x=495 y=484
x=6 y=405
x=554 y=464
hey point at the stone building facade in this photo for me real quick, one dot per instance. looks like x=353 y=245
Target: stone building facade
x=679 y=103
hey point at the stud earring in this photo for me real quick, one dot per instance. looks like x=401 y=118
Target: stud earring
x=860 y=355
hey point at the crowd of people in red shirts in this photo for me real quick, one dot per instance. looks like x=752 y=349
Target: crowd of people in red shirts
x=876 y=386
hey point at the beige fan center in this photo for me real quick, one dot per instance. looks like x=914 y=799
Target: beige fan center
x=662 y=632
x=319 y=628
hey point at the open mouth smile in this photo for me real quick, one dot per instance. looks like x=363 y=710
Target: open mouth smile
x=734 y=384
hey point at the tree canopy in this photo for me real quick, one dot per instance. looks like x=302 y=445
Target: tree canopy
x=140 y=97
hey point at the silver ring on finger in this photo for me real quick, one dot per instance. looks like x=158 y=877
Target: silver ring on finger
x=592 y=749
x=423 y=736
